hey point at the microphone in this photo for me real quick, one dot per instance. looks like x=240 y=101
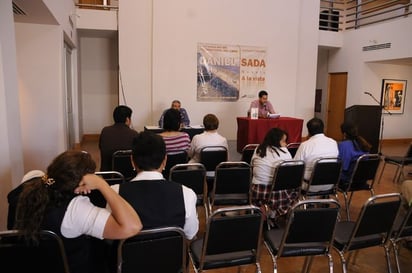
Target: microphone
x=264 y=106
x=367 y=93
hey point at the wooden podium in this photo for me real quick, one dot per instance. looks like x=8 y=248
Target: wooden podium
x=368 y=120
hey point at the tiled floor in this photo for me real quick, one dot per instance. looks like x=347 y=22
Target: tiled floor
x=369 y=260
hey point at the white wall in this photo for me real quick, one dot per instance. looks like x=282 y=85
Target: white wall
x=40 y=70
x=11 y=155
x=158 y=43
x=364 y=75
x=98 y=83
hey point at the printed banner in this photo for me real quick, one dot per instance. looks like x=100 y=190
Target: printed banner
x=229 y=73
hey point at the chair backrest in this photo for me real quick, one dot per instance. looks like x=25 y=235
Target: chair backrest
x=288 y=175
x=409 y=152
x=326 y=171
x=173 y=159
x=18 y=255
x=231 y=184
x=153 y=250
x=247 y=152
x=192 y=175
x=233 y=229
x=364 y=171
x=211 y=156
x=293 y=147
x=377 y=218
x=405 y=225
x=310 y=227
x=122 y=162
x=112 y=178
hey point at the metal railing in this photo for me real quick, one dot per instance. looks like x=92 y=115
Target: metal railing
x=353 y=14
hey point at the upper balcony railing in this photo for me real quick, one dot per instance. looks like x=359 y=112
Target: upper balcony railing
x=352 y=14
x=335 y=15
x=98 y=4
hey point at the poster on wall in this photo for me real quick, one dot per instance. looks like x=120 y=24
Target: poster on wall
x=229 y=72
x=393 y=96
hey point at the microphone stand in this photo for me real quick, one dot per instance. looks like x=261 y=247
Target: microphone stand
x=382 y=120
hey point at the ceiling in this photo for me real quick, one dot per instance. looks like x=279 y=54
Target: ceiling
x=32 y=11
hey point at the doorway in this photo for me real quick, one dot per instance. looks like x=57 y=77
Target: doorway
x=336 y=104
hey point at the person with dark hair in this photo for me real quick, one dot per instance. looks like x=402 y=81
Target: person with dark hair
x=176 y=141
x=185 y=121
x=264 y=160
x=352 y=147
x=316 y=146
x=263 y=104
x=58 y=201
x=158 y=202
x=210 y=137
x=118 y=136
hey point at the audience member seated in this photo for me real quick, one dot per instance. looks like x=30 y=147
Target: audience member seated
x=316 y=146
x=210 y=137
x=158 y=204
x=118 y=136
x=264 y=160
x=352 y=147
x=183 y=113
x=57 y=201
x=175 y=140
x=13 y=196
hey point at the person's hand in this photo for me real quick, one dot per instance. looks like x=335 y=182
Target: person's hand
x=88 y=183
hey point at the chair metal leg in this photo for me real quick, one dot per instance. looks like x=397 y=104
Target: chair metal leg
x=396 y=255
x=307 y=264
x=388 y=262
x=258 y=268
x=345 y=197
x=343 y=262
x=330 y=263
x=380 y=176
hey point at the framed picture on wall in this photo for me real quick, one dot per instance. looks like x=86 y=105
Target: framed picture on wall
x=393 y=96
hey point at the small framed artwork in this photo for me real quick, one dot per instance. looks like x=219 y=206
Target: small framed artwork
x=393 y=96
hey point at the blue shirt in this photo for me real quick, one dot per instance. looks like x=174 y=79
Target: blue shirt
x=348 y=153
x=183 y=113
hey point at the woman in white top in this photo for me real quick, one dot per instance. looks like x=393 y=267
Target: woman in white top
x=264 y=160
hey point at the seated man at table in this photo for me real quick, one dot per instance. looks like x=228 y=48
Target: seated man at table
x=263 y=104
x=183 y=113
x=318 y=145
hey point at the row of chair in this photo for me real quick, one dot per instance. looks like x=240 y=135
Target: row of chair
x=233 y=237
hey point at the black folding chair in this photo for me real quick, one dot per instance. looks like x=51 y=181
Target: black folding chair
x=232 y=238
x=192 y=175
x=247 y=152
x=400 y=162
x=231 y=185
x=19 y=255
x=153 y=250
x=362 y=178
x=112 y=178
x=122 y=162
x=293 y=147
x=372 y=228
x=210 y=157
x=288 y=175
x=309 y=232
x=173 y=159
x=325 y=174
x=401 y=232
